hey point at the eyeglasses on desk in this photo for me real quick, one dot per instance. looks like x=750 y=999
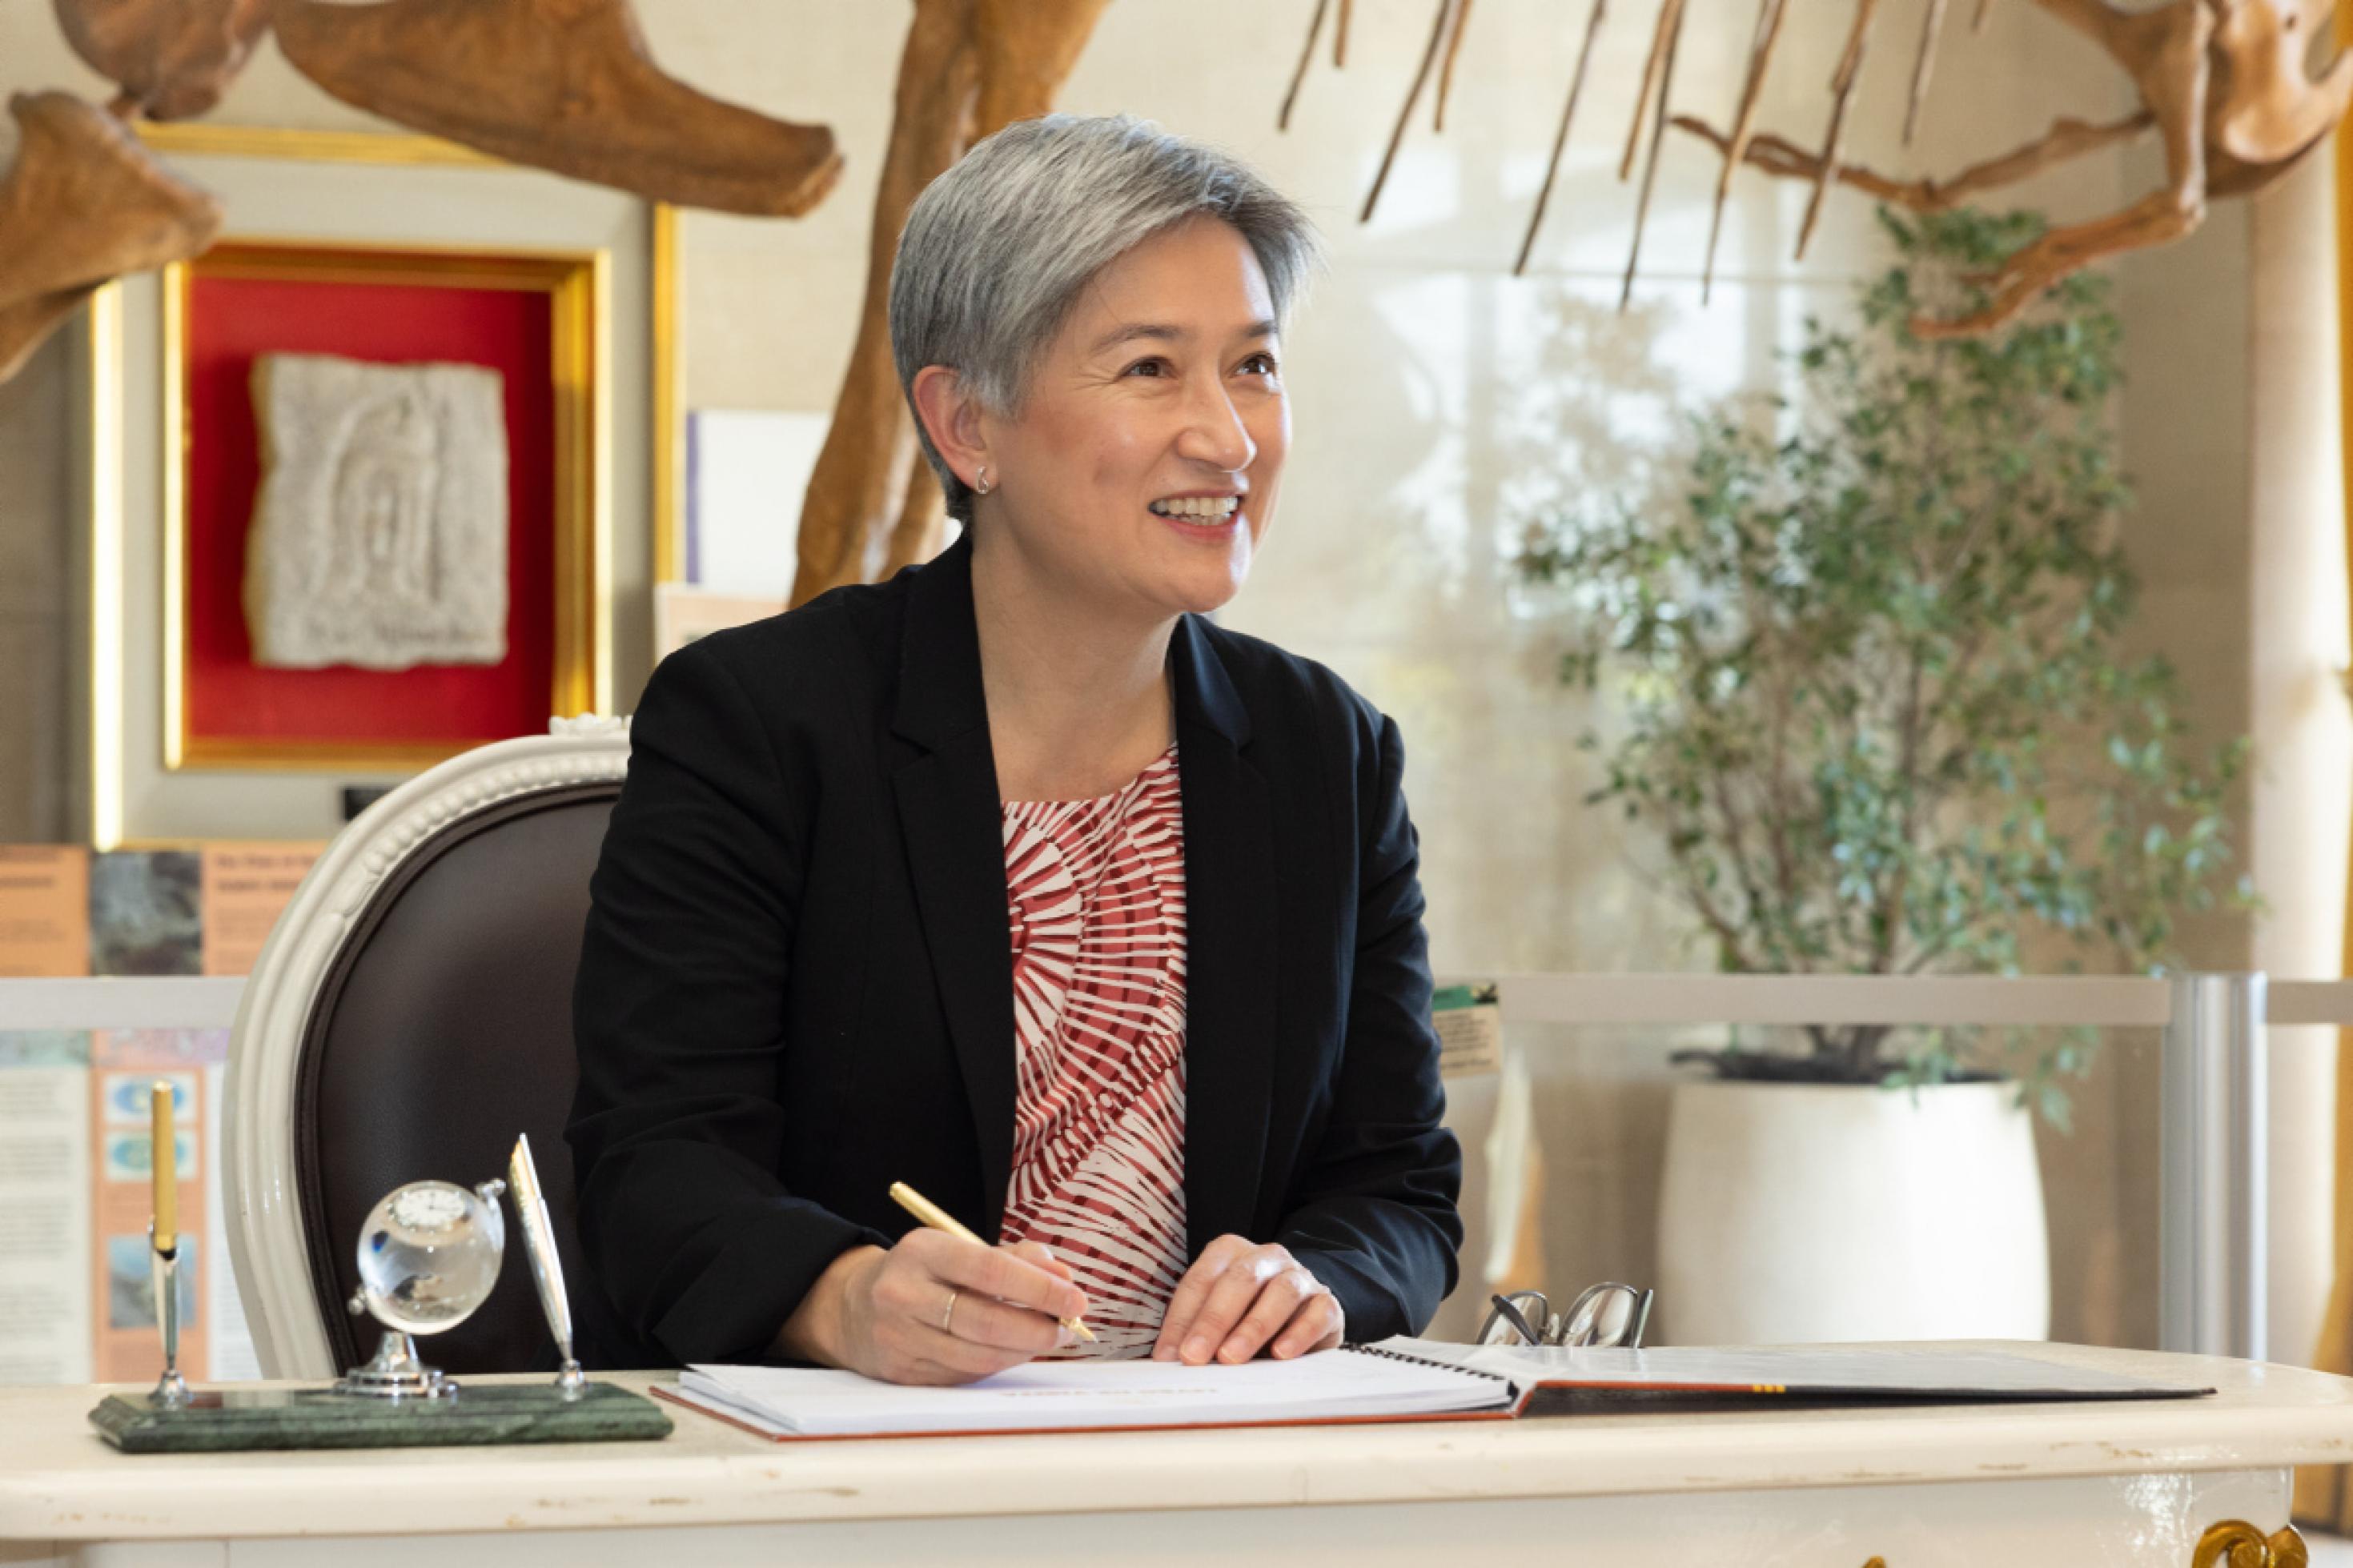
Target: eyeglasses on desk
x=1609 y=1314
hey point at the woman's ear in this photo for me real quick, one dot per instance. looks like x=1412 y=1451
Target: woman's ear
x=951 y=418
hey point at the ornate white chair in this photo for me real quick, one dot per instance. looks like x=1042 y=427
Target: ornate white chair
x=410 y=1014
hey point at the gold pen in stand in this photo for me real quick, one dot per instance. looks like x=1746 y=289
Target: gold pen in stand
x=938 y=1218
x=164 y=1165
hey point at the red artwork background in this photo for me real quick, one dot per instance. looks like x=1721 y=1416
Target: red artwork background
x=228 y=698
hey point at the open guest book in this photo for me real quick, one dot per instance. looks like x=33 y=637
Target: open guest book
x=1397 y=1380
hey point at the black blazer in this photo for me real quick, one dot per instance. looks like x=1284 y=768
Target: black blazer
x=796 y=986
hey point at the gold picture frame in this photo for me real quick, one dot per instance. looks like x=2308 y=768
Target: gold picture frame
x=667 y=451
x=577 y=286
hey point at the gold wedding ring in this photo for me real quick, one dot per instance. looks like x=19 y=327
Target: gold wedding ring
x=948 y=1317
x=939 y=1219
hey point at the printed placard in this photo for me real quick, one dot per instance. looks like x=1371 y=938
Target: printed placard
x=1470 y=1020
x=45 y=1208
x=44 y=910
x=245 y=888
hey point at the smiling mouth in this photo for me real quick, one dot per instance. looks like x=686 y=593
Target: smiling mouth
x=1200 y=511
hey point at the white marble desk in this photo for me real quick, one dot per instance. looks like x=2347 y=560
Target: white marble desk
x=2017 y=1486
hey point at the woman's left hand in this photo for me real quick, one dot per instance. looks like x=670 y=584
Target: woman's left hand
x=1239 y=1296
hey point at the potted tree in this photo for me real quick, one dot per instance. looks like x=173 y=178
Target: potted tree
x=1873 y=705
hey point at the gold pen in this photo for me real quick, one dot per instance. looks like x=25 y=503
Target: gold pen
x=938 y=1218
x=164 y=1164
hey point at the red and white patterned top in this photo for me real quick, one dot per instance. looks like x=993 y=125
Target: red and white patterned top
x=1095 y=898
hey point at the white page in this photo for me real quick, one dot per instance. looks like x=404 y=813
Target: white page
x=816 y=1402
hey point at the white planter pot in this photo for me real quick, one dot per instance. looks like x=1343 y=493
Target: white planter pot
x=1795 y=1214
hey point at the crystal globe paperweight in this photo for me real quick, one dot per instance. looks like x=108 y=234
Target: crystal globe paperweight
x=428 y=1256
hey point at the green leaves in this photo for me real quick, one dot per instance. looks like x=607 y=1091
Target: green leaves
x=1877 y=711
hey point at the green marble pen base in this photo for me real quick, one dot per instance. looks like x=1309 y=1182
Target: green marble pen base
x=220 y=1420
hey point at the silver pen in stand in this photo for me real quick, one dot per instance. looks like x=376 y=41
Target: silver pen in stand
x=164 y=1243
x=546 y=1268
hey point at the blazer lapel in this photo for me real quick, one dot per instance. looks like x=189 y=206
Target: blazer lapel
x=1231 y=962
x=954 y=828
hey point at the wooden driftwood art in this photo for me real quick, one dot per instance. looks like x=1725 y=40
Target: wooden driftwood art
x=564 y=85
x=172 y=58
x=2232 y=96
x=26 y=325
x=969 y=67
x=2225 y=84
x=83 y=202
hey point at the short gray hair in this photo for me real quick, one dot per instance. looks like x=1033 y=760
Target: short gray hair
x=997 y=251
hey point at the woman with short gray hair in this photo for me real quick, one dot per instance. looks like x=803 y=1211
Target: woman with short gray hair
x=1018 y=880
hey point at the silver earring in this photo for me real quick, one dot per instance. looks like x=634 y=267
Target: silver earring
x=980 y=480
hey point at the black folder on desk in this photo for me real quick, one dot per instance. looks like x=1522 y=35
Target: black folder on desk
x=1557 y=1380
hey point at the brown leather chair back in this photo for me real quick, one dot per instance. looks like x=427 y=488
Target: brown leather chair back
x=444 y=1029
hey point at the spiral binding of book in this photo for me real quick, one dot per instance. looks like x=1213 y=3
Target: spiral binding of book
x=1426 y=1360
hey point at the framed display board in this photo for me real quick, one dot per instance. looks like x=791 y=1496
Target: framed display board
x=384 y=249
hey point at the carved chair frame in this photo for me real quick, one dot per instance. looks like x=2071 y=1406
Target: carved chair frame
x=335 y=906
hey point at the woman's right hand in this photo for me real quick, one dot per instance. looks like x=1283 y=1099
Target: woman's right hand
x=887 y=1313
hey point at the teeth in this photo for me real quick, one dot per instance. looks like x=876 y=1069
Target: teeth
x=1198 y=506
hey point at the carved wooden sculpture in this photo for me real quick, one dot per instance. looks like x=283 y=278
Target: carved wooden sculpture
x=970 y=67
x=565 y=85
x=1438 y=30
x=25 y=326
x=568 y=85
x=2225 y=88
x=83 y=202
x=172 y=58
x=2224 y=82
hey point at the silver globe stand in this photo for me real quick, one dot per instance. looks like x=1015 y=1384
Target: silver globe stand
x=397 y=1371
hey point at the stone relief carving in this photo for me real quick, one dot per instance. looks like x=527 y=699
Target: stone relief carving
x=380 y=533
